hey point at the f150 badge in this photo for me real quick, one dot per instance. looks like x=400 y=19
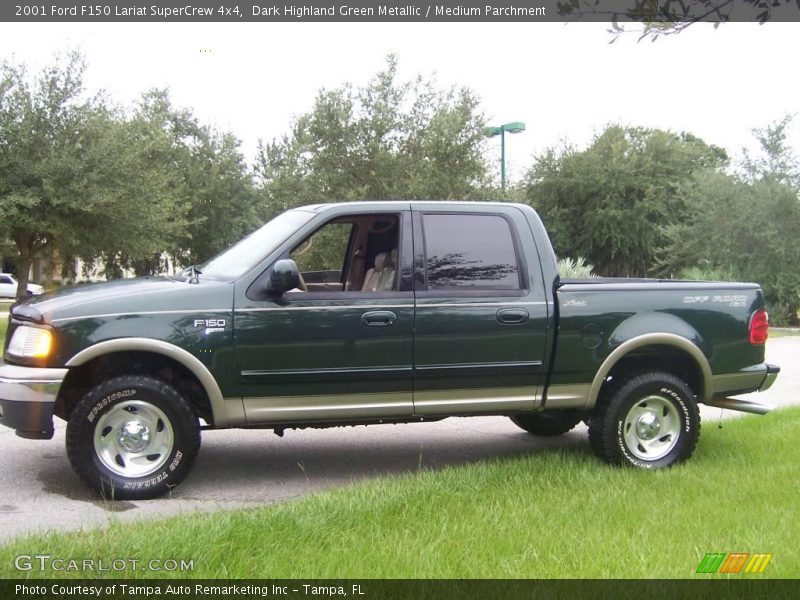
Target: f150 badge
x=211 y=325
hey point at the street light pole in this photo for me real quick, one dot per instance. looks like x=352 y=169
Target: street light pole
x=515 y=127
x=503 y=159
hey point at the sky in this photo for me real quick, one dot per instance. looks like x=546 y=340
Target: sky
x=565 y=81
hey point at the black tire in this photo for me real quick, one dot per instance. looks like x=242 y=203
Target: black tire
x=549 y=422
x=650 y=421
x=132 y=437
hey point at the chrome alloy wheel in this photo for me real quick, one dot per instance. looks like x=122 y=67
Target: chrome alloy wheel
x=651 y=428
x=133 y=438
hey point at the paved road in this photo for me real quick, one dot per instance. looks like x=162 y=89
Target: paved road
x=241 y=468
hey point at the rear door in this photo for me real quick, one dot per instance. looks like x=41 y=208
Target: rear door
x=481 y=311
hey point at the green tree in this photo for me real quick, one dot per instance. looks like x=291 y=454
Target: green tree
x=745 y=225
x=776 y=160
x=386 y=140
x=133 y=207
x=37 y=122
x=223 y=198
x=612 y=202
x=77 y=178
x=211 y=181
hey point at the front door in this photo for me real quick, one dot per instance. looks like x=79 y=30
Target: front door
x=341 y=347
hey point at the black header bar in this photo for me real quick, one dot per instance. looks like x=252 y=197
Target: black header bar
x=384 y=589
x=609 y=11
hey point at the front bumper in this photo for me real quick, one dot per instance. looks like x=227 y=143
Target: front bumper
x=27 y=398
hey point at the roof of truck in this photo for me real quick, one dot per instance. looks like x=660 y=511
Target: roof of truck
x=406 y=203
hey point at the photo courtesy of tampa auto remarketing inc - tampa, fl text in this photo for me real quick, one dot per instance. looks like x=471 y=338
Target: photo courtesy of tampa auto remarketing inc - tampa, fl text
x=475 y=300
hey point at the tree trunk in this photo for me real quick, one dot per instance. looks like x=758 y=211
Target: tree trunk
x=112 y=269
x=23 y=269
x=24 y=245
x=147 y=266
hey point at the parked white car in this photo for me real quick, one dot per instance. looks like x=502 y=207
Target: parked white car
x=8 y=287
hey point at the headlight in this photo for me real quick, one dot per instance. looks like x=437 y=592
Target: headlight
x=30 y=342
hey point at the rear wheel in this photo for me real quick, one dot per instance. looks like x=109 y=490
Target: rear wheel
x=650 y=420
x=549 y=422
x=132 y=437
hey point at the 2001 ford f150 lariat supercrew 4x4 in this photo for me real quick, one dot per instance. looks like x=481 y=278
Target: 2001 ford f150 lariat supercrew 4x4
x=376 y=312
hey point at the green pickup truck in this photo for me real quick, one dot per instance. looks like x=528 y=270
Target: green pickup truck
x=376 y=312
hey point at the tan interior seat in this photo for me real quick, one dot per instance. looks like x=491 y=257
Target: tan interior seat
x=380 y=278
x=373 y=275
x=386 y=278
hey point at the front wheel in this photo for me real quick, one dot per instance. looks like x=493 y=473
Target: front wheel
x=649 y=421
x=132 y=437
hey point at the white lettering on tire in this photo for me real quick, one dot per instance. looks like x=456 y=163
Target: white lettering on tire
x=108 y=400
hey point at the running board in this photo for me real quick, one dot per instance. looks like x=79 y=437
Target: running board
x=740 y=405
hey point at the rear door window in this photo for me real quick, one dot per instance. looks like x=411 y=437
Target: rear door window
x=469 y=251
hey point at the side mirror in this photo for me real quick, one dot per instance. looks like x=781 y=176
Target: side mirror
x=285 y=276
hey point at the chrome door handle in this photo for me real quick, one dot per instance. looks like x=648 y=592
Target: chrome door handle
x=512 y=316
x=378 y=318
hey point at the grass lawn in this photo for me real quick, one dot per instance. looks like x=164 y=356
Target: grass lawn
x=556 y=513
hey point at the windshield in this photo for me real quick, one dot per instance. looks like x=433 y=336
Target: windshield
x=245 y=254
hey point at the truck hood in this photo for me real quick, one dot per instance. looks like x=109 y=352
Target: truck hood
x=124 y=296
